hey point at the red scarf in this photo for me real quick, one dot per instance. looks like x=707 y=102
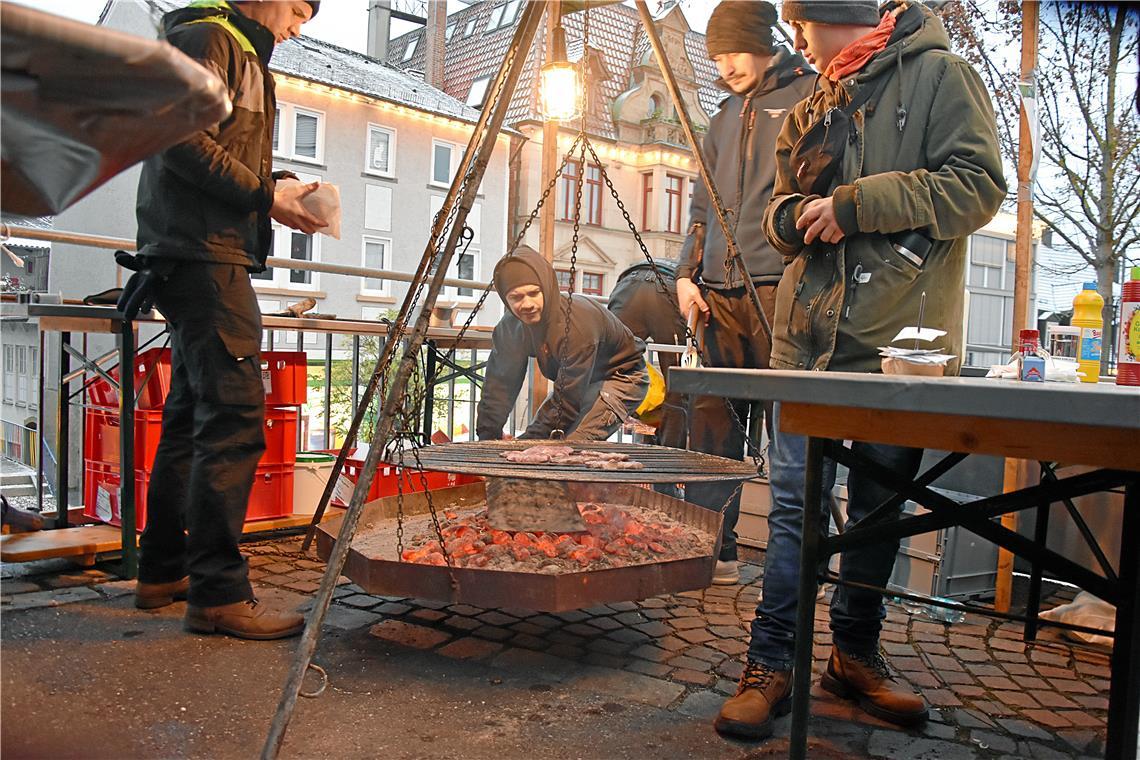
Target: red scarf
x=855 y=56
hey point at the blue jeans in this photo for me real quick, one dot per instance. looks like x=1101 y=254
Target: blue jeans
x=856 y=614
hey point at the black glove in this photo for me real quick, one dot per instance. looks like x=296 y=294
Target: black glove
x=139 y=292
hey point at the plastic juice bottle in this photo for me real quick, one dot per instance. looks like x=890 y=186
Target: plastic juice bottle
x=1128 y=339
x=1087 y=316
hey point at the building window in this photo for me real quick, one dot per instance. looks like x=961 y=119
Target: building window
x=9 y=373
x=674 y=186
x=591 y=193
x=987 y=260
x=470 y=28
x=307 y=135
x=442 y=163
x=450 y=31
x=381 y=150
x=646 y=201
x=410 y=50
x=592 y=283
x=466 y=269
x=374 y=255
x=496 y=17
x=277 y=131
x=291 y=244
x=478 y=92
x=565 y=280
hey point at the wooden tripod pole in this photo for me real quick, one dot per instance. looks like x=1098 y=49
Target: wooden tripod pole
x=504 y=84
x=1017 y=470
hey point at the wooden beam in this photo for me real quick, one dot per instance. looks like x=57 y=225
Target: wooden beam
x=1015 y=471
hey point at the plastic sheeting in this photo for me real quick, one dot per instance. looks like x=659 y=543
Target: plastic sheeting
x=82 y=103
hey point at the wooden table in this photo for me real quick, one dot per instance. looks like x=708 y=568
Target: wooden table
x=1091 y=424
x=68 y=318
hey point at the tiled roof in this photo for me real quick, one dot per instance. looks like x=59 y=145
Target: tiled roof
x=615 y=33
x=325 y=63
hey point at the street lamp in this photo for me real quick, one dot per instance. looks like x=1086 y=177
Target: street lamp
x=560 y=88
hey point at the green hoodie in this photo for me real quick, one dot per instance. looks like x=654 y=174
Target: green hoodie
x=924 y=156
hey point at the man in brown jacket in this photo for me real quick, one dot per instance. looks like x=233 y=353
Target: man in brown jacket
x=917 y=171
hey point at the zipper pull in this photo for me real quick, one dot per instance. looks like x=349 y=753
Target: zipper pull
x=827 y=118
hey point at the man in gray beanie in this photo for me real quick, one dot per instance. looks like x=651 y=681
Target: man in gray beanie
x=763 y=82
x=888 y=220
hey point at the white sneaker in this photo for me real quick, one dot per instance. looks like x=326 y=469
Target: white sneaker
x=726 y=573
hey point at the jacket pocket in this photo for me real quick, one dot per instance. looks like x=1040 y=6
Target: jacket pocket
x=906 y=265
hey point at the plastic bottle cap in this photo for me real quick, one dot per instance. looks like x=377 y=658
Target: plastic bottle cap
x=1136 y=273
x=1090 y=286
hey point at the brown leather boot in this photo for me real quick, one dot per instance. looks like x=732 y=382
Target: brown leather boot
x=151 y=596
x=868 y=681
x=246 y=620
x=763 y=693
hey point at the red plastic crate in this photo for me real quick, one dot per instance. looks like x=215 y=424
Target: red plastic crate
x=151 y=366
x=385 y=481
x=271 y=496
x=284 y=374
x=101 y=439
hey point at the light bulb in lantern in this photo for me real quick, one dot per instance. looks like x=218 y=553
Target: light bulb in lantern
x=560 y=87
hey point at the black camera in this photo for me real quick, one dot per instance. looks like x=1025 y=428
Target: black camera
x=912 y=245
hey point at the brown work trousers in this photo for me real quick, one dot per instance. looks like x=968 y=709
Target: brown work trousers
x=734 y=338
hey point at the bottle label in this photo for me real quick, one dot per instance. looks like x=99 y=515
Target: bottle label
x=1129 y=333
x=1090 y=344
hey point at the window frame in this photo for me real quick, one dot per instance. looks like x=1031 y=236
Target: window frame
x=298 y=111
x=646 y=201
x=592 y=190
x=600 y=290
x=391 y=132
x=435 y=141
x=486 y=81
x=281 y=277
x=673 y=202
x=565 y=287
x=386 y=288
x=410 y=48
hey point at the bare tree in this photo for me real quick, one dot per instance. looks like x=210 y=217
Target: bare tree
x=1088 y=184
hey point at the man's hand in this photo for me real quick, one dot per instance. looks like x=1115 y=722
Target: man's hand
x=818 y=219
x=288 y=209
x=689 y=295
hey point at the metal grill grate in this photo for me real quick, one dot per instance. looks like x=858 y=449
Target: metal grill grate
x=662 y=464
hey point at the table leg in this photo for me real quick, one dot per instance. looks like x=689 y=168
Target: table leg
x=63 y=433
x=429 y=389
x=805 y=608
x=127 y=511
x=40 y=444
x=1040 y=537
x=1124 y=693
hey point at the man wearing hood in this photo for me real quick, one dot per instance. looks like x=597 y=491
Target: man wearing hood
x=764 y=82
x=204 y=208
x=918 y=173
x=596 y=364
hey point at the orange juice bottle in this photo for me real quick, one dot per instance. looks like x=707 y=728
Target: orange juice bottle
x=1087 y=316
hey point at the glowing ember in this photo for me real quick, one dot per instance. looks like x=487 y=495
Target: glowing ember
x=616 y=537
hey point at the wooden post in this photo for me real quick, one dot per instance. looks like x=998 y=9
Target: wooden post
x=539 y=387
x=1017 y=471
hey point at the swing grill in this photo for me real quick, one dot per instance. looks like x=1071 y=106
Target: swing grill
x=662 y=464
x=374 y=566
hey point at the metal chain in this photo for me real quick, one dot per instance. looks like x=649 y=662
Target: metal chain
x=754 y=451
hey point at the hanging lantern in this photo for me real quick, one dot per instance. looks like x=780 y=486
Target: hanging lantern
x=560 y=88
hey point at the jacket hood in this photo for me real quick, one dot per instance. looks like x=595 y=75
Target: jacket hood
x=784 y=67
x=917 y=30
x=258 y=36
x=547 y=279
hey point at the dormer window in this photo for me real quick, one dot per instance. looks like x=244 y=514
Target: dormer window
x=410 y=50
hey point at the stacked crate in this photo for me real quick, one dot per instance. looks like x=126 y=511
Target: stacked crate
x=284 y=378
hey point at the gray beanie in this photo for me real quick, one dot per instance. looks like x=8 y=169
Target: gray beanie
x=851 y=12
x=740 y=26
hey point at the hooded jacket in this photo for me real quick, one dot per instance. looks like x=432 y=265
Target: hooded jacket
x=923 y=155
x=208 y=198
x=599 y=346
x=738 y=148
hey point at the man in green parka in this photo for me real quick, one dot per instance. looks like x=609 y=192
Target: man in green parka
x=866 y=226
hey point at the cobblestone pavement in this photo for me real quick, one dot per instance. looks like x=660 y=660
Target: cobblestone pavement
x=992 y=695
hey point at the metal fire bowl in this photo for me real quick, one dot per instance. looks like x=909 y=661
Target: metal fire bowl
x=386 y=576
x=662 y=464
